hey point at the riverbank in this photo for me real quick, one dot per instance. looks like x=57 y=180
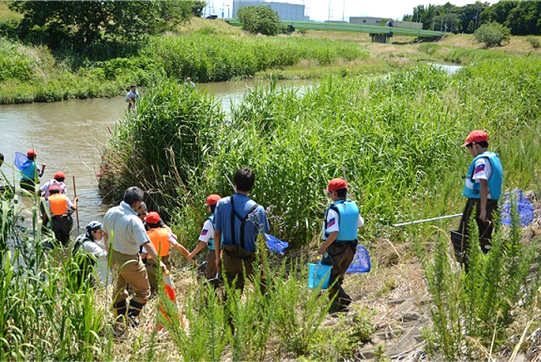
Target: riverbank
x=210 y=51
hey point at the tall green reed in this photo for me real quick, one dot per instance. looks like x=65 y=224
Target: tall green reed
x=44 y=316
x=476 y=308
x=397 y=136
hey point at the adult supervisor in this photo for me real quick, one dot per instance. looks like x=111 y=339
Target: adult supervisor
x=124 y=234
x=483 y=188
x=239 y=219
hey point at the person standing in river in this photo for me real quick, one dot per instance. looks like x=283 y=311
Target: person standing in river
x=60 y=207
x=132 y=96
x=30 y=173
x=124 y=232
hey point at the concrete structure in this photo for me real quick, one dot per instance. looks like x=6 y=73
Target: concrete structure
x=365 y=20
x=285 y=11
x=407 y=25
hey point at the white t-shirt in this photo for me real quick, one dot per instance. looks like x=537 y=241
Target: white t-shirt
x=131 y=96
x=45 y=188
x=207 y=232
x=94 y=249
x=333 y=221
x=482 y=171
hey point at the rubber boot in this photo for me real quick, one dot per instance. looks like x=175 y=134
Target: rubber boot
x=119 y=309
x=133 y=312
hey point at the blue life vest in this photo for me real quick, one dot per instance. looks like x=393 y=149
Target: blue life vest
x=348 y=216
x=472 y=189
x=210 y=243
x=28 y=170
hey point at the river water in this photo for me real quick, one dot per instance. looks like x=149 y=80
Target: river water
x=68 y=136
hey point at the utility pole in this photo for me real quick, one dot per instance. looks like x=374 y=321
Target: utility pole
x=344 y=11
x=329 y=15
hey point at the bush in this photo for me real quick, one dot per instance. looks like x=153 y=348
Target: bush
x=534 y=41
x=493 y=34
x=260 y=19
x=428 y=48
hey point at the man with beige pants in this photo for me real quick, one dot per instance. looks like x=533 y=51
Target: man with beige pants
x=124 y=234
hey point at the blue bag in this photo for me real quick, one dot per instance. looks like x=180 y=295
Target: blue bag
x=361 y=261
x=524 y=208
x=276 y=244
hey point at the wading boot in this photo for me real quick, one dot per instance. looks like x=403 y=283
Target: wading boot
x=133 y=312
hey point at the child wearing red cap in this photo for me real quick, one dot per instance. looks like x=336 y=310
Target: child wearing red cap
x=342 y=219
x=57 y=180
x=162 y=238
x=60 y=207
x=206 y=238
x=483 y=188
x=30 y=172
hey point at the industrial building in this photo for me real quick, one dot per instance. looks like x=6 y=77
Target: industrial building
x=285 y=11
x=365 y=20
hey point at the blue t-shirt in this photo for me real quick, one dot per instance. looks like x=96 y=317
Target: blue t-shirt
x=257 y=222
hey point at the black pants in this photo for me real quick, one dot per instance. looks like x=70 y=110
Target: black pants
x=61 y=226
x=28 y=185
x=485 y=228
x=339 y=255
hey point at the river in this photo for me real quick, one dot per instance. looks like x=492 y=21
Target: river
x=68 y=136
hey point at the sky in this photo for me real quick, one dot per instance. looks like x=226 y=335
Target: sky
x=395 y=9
x=319 y=9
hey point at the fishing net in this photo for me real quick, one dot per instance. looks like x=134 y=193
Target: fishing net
x=20 y=159
x=361 y=261
x=276 y=244
x=524 y=208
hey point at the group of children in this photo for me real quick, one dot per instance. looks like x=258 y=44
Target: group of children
x=340 y=229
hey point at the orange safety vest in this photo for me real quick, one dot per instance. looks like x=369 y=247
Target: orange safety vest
x=58 y=204
x=160 y=239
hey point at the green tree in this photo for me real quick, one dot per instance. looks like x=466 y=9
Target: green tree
x=79 y=24
x=525 y=18
x=177 y=11
x=498 y=12
x=260 y=19
x=492 y=34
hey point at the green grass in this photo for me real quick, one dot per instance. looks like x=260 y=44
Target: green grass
x=397 y=137
x=32 y=74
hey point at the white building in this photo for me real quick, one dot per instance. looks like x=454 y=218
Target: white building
x=365 y=20
x=285 y=11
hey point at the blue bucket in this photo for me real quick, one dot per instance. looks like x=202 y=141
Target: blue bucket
x=319 y=276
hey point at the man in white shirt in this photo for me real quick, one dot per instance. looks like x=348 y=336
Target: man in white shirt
x=124 y=234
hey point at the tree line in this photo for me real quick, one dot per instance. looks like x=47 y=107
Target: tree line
x=521 y=17
x=81 y=25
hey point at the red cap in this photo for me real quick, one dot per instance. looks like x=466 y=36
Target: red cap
x=59 y=174
x=54 y=187
x=31 y=153
x=337 y=184
x=152 y=217
x=475 y=136
x=213 y=199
